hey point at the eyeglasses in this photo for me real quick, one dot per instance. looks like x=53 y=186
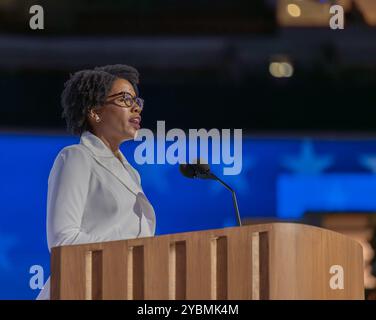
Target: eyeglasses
x=125 y=100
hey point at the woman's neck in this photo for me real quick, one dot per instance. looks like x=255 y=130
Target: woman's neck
x=110 y=143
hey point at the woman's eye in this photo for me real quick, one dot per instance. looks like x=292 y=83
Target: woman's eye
x=125 y=101
x=128 y=101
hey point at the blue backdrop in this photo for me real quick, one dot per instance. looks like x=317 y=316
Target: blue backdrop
x=281 y=178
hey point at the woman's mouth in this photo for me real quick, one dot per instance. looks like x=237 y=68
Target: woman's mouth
x=135 y=122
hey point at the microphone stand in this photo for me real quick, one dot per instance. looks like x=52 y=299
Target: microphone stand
x=210 y=175
x=234 y=200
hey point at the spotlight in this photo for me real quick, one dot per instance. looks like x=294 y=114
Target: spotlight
x=294 y=10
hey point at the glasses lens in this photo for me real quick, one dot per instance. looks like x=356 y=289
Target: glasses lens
x=140 y=102
x=128 y=100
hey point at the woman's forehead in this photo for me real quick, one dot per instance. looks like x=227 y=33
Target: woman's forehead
x=120 y=85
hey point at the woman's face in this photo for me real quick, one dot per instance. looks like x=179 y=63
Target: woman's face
x=117 y=119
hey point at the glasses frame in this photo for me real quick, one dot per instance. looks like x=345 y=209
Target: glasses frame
x=139 y=102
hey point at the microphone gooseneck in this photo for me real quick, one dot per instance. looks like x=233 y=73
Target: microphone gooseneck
x=202 y=171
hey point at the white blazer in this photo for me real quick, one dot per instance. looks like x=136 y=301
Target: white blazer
x=93 y=197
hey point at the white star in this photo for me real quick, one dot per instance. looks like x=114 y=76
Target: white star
x=307 y=162
x=369 y=162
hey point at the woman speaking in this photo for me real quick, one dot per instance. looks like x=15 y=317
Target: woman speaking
x=94 y=194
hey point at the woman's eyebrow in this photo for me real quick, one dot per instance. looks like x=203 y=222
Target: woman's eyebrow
x=121 y=92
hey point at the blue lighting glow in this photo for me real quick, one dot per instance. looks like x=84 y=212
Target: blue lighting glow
x=282 y=178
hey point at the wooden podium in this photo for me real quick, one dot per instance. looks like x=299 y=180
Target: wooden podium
x=267 y=261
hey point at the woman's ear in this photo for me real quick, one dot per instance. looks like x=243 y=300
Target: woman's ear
x=94 y=116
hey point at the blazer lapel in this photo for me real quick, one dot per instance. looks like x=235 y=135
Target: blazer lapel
x=104 y=156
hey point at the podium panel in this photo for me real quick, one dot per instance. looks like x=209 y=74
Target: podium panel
x=267 y=261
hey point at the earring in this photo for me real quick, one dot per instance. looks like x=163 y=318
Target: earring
x=97 y=119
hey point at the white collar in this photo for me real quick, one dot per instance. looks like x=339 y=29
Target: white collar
x=98 y=147
x=105 y=157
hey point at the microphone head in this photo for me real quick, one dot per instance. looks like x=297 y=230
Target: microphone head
x=199 y=170
x=202 y=168
x=187 y=170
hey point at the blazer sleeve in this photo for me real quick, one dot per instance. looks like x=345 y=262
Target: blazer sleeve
x=68 y=186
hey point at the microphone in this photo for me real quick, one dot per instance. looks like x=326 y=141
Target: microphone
x=202 y=171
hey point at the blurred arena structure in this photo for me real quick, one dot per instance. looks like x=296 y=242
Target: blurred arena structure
x=279 y=74
x=303 y=94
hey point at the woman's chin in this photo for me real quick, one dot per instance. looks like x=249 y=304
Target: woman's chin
x=130 y=133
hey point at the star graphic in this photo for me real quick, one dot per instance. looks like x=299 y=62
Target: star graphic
x=369 y=162
x=6 y=243
x=307 y=162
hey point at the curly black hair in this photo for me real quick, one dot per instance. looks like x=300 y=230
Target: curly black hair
x=87 y=89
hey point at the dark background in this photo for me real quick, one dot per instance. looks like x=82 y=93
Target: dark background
x=202 y=64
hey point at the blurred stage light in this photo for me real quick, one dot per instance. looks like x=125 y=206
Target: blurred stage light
x=281 y=69
x=299 y=13
x=288 y=69
x=368 y=10
x=274 y=69
x=294 y=10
